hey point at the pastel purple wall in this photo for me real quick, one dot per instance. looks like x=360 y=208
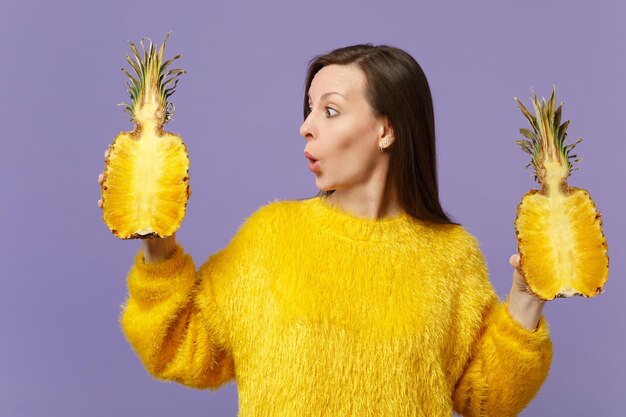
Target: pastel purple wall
x=62 y=352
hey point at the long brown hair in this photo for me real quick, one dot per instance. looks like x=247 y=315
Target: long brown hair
x=396 y=87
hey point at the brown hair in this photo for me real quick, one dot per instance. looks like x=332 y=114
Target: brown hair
x=396 y=87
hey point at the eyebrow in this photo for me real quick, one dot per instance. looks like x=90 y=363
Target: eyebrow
x=330 y=93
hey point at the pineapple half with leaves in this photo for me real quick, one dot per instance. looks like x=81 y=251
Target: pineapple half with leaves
x=563 y=250
x=146 y=177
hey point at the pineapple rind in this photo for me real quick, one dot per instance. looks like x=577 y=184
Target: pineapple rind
x=562 y=247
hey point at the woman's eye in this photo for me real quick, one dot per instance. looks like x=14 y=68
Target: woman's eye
x=330 y=112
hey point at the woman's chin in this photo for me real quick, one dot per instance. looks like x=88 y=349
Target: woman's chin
x=323 y=185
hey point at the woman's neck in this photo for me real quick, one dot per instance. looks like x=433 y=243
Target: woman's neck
x=367 y=205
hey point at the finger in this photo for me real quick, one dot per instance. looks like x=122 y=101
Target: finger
x=100 y=203
x=100 y=178
x=514 y=260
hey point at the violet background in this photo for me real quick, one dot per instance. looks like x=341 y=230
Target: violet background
x=238 y=109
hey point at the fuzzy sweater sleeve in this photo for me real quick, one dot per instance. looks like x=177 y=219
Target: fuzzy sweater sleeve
x=172 y=322
x=507 y=363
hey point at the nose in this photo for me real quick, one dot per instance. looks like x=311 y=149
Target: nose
x=306 y=128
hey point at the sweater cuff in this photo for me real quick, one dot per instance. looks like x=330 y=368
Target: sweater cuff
x=509 y=329
x=163 y=268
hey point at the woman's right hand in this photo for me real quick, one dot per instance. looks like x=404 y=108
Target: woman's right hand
x=155 y=248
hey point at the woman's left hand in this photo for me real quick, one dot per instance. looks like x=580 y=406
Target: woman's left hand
x=524 y=306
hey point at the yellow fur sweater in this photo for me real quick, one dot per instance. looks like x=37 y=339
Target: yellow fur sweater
x=316 y=312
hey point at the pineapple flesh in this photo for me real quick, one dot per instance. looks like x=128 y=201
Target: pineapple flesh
x=146 y=177
x=562 y=247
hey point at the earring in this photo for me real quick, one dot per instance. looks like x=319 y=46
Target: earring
x=383 y=146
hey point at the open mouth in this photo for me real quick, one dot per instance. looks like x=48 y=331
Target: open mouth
x=313 y=162
x=314 y=165
x=309 y=156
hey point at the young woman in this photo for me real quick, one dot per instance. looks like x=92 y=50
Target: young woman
x=363 y=300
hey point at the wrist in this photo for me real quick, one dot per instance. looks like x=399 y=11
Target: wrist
x=157 y=249
x=525 y=308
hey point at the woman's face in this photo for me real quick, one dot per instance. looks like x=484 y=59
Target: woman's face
x=341 y=131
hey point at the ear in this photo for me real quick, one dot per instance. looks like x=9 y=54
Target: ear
x=386 y=132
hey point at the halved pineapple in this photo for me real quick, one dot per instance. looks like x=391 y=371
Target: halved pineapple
x=563 y=250
x=146 y=176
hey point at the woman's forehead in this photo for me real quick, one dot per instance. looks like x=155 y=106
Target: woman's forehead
x=344 y=80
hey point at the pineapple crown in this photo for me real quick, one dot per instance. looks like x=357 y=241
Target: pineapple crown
x=546 y=142
x=150 y=83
